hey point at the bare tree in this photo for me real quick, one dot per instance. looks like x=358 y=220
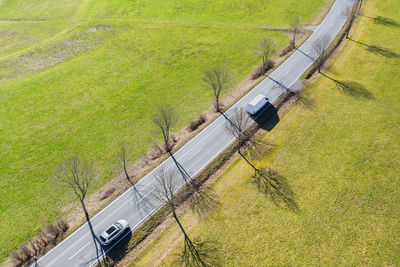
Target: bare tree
x=123 y=158
x=295 y=25
x=217 y=77
x=76 y=174
x=319 y=50
x=237 y=125
x=359 y=7
x=165 y=119
x=265 y=49
x=166 y=187
x=351 y=13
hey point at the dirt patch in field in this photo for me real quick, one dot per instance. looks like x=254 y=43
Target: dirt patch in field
x=46 y=57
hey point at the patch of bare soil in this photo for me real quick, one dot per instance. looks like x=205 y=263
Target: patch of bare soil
x=45 y=57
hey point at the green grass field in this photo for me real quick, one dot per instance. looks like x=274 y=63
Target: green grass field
x=83 y=76
x=339 y=151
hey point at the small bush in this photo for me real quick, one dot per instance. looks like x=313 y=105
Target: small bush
x=156 y=152
x=174 y=138
x=51 y=231
x=286 y=50
x=38 y=245
x=24 y=252
x=44 y=239
x=17 y=258
x=193 y=125
x=258 y=71
x=33 y=247
x=107 y=193
x=62 y=224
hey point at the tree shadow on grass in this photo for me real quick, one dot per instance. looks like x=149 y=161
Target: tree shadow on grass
x=353 y=89
x=384 y=21
x=273 y=185
x=259 y=148
x=276 y=187
x=378 y=50
x=305 y=100
x=207 y=254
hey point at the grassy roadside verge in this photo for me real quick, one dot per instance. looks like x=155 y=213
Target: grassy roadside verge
x=338 y=148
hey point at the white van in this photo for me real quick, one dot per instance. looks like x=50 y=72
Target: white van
x=257 y=104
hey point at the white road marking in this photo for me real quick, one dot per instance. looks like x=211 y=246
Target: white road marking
x=79 y=251
x=146 y=194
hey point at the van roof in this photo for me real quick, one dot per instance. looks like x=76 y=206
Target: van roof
x=257 y=99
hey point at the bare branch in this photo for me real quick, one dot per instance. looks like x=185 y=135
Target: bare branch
x=319 y=50
x=165 y=119
x=265 y=49
x=351 y=13
x=237 y=125
x=295 y=26
x=217 y=77
x=165 y=187
x=75 y=174
x=123 y=158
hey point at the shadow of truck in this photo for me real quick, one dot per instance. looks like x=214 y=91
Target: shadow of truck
x=268 y=118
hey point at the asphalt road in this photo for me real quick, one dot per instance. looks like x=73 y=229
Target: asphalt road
x=79 y=250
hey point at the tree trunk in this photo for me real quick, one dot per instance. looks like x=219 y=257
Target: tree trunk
x=127 y=175
x=263 y=66
x=294 y=39
x=85 y=210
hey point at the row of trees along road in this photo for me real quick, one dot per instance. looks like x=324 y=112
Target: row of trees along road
x=77 y=174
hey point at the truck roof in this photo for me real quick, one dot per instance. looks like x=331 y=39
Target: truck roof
x=257 y=99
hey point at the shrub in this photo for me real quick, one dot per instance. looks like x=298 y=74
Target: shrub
x=38 y=245
x=52 y=233
x=286 y=50
x=106 y=193
x=33 y=247
x=24 y=252
x=258 y=71
x=194 y=124
x=44 y=239
x=17 y=258
x=62 y=224
x=156 y=152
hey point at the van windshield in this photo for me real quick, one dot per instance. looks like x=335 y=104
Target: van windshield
x=118 y=225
